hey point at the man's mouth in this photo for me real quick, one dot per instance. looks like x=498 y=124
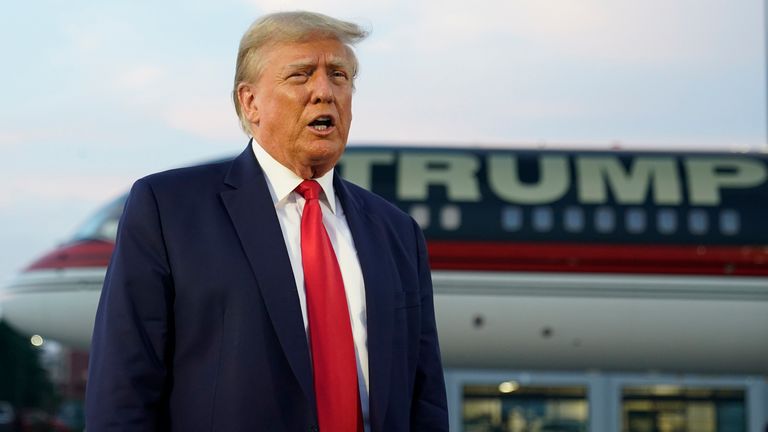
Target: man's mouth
x=321 y=123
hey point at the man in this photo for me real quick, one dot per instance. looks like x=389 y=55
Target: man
x=266 y=293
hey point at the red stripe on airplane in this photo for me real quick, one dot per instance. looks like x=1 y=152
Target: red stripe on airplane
x=534 y=257
x=599 y=258
x=87 y=253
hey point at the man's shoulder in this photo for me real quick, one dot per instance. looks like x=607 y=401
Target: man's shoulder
x=190 y=178
x=376 y=204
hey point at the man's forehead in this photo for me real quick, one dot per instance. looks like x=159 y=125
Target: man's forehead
x=311 y=52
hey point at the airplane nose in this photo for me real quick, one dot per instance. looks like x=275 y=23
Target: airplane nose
x=56 y=295
x=87 y=253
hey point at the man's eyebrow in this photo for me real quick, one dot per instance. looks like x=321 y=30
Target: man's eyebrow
x=301 y=64
x=339 y=62
x=336 y=62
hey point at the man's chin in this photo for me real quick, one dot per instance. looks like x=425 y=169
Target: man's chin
x=324 y=150
x=320 y=156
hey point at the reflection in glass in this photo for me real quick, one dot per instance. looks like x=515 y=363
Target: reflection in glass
x=667 y=408
x=525 y=409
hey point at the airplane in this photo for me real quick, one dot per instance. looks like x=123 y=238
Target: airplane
x=542 y=259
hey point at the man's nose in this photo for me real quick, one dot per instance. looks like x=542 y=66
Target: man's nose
x=322 y=89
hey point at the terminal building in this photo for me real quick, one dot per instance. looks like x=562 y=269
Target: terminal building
x=596 y=291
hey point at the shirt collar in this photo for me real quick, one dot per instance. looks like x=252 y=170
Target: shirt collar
x=282 y=181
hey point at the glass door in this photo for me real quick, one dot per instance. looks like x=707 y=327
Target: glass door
x=672 y=408
x=511 y=407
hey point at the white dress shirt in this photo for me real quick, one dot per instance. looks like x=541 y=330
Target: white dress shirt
x=288 y=206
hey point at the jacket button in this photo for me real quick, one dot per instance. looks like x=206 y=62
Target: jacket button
x=313 y=428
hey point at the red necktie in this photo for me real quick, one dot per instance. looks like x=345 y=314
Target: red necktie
x=330 y=331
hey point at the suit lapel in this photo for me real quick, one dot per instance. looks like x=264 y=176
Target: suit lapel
x=368 y=236
x=252 y=212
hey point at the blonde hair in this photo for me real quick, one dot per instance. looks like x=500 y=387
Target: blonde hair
x=288 y=27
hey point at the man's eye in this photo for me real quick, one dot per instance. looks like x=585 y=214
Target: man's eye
x=339 y=75
x=298 y=76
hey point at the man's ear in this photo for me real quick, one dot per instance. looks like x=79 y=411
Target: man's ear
x=246 y=95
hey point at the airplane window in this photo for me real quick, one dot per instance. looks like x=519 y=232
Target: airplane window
x=450 y=217
x=730 y=223
x=666 y=221
x=511 y=218
x=573 y=219
x=605 y=220
x=109 y=229
x=634 y=220
x=543 y=220
x=698 y=222
x=420 y=213
x=102 y=225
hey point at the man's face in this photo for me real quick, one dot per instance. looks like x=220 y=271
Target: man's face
x=300 y=107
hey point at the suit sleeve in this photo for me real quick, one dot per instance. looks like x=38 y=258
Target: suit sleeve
x=130 y=351
x=429 y=409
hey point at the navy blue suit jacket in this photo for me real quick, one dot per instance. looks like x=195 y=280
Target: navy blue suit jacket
x=199 y=326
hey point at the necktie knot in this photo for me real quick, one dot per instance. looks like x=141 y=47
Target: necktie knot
x=309 y=189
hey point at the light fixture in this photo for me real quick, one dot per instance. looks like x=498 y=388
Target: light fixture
x=508 y=386
x=37 y=340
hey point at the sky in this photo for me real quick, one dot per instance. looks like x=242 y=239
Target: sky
x=95 y=94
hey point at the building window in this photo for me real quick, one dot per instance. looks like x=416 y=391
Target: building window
x=543 y=219
x=730 y=222
x=450 y=217
x=698 y=221
x=670 y=408
x=510 y=407
x=573 y=219
x=605 y=220
x=666 y=221
x=511 y=218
